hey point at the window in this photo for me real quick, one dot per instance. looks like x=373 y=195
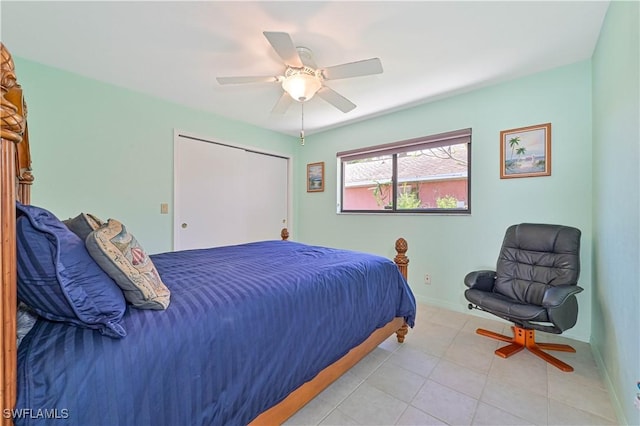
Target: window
x=423 y=175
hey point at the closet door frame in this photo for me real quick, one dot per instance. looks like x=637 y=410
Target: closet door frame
x=177 y=219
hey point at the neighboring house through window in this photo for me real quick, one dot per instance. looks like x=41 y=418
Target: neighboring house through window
x=423 y=175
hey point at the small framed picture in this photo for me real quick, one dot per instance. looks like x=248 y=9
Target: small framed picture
x=525 y=152
x=315 y=177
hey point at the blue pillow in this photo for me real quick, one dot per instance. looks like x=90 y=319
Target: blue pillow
x=59 y=280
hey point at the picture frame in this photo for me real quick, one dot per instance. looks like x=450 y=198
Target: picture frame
x=525 y=152
x=315 y=177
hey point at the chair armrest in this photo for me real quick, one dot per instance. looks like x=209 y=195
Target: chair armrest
x=480 y=280
x=555 y=296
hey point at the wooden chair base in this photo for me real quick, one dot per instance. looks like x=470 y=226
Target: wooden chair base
x=525 y=338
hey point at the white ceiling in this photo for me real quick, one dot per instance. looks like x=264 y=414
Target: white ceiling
x=429 y=50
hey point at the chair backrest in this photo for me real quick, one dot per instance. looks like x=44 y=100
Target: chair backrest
x=535 y=257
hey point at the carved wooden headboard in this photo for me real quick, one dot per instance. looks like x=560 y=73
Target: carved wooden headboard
x=15 y=184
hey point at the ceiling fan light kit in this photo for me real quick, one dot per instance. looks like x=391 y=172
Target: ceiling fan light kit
x=301 y=83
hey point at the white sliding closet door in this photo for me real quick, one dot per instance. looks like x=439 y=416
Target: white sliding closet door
x=227 y=195
x=266 y=196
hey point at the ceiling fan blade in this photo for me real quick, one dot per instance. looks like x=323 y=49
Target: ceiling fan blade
x=353 y=69
x=247 y=79
x=283 y=104
x=284 y=47
x=336 y=99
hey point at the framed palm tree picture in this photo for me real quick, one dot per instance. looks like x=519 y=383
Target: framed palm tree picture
x=525 y=151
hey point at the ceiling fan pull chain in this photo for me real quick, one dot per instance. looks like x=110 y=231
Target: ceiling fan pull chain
x=302 y=127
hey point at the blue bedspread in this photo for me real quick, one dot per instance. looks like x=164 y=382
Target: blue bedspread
x=246 y=325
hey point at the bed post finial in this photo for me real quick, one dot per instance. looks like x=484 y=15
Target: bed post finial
x=401 y=259
x=14 y=125
x=12 y=121
x=284 y=234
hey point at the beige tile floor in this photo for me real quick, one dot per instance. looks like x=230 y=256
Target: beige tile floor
x=445 y=374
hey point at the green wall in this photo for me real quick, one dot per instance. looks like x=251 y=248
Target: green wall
x=616 y=204
x=109 y=151
x=448 y=246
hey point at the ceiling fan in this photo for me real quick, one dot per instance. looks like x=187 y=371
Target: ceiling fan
x=302 y=78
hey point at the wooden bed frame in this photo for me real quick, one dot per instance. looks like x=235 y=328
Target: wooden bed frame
x=16 y=180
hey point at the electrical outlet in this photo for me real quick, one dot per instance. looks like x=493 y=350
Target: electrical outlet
x=427 y=279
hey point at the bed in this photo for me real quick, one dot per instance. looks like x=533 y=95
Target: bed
x=249 y=334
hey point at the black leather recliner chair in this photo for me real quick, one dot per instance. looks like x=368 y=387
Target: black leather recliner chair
x=534 y=286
